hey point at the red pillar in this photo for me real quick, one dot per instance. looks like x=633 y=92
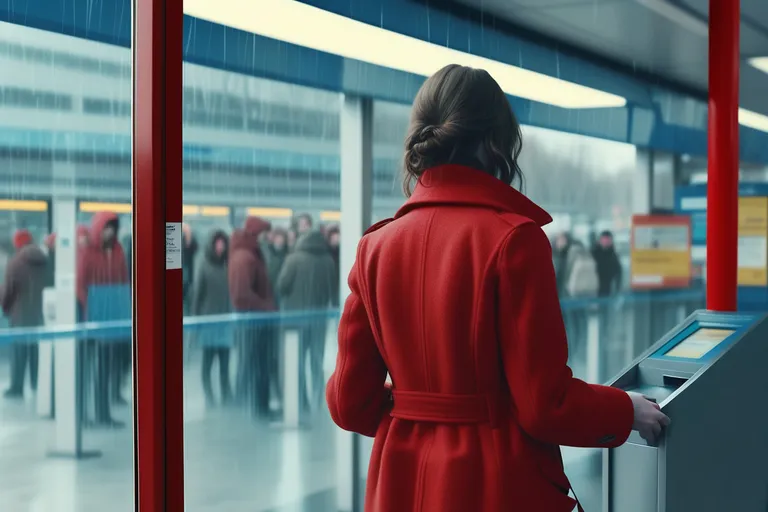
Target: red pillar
x=723 y=158
x=157 y=294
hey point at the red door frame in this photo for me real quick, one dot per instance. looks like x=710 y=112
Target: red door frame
x=157 y=293
x=723 y=155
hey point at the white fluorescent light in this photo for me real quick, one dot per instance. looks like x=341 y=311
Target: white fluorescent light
x=760 y=63
x=753 y=120
x=304 y=25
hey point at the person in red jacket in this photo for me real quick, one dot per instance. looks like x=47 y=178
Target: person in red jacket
x=102 y=262
x=455 y=298
x=251 y=291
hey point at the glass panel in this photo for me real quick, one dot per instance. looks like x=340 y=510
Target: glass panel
x=390 y=122
x=260 y=263
x=65 y=251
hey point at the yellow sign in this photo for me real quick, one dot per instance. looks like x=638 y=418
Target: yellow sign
x=753 y=241
x=661 y=252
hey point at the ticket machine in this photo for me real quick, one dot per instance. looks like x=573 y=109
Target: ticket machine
x=710 y=376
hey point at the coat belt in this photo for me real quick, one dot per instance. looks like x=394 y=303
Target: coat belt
x=445 y=408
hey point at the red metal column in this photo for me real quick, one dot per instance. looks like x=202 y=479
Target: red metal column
x=157 y=300
x=723 y=159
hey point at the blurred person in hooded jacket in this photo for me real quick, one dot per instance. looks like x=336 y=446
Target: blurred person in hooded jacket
x=127 y=242
x=102 y=262
x=608 y=265
x=188 y=254
x=275 y=248
x=302 y=224
x=22 y=302
x=83 y=240
x=210 y=296
x=50 y=245
x=334 y=243
x=250 y=291
x=306 y=282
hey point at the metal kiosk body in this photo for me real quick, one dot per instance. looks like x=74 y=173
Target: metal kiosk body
x=708 y=376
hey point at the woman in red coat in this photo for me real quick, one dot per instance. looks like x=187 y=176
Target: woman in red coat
x=456 y=299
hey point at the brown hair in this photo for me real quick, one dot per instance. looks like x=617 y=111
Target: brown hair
x=461 y=115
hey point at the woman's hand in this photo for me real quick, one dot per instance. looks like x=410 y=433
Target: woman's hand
x=649 y=420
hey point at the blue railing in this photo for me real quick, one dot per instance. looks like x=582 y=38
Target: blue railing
x=661 y=296
x=121 y=329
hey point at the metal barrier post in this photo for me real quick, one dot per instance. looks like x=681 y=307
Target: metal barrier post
x=68 y=393
x=291 y=369
x=356 y=144
x=45 y=391
x=593 y=345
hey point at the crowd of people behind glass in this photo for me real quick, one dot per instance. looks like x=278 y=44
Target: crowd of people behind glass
x=257 y=268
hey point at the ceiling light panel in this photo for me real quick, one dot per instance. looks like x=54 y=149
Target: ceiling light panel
x=304 y=25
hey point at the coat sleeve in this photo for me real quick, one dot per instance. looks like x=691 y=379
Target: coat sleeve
x=333 y=272
x=83 y=280
x=198 y=290
x=356 y=393
x=286 y=276
x=122 y=268
x=242 y=275
x=551 y=404
x=9 y=288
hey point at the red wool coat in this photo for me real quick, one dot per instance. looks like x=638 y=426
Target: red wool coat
x=456 y=299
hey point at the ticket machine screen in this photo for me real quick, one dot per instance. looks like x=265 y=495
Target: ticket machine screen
x=699 y=343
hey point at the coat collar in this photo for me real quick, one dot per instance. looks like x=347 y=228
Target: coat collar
x=460 y=185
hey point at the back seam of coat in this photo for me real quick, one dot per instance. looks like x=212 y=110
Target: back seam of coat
x=423 y=470
x=423 y=302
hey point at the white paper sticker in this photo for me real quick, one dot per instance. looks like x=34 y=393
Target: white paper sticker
x=172 y=245
x=753 y=252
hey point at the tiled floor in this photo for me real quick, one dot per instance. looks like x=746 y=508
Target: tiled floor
x=232 y=463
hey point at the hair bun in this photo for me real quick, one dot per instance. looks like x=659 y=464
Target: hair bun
x=426 y=133
x=428 y=146
x=431 y=140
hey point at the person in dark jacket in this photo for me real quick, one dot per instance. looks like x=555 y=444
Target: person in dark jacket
x=127 y=242
x=102 y=262
x=210 y=296
x=306 y=282
x=250 y=291
x=22 y=302
x=608 y=265
x=50 y=245
x=560 y=252
x=302 y=224
x=275 y=249
x=83 y=237
x=334 y=243
x=188 y=254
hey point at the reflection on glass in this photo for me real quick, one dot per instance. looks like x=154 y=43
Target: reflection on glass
x=260 y=273
x=65 y=251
